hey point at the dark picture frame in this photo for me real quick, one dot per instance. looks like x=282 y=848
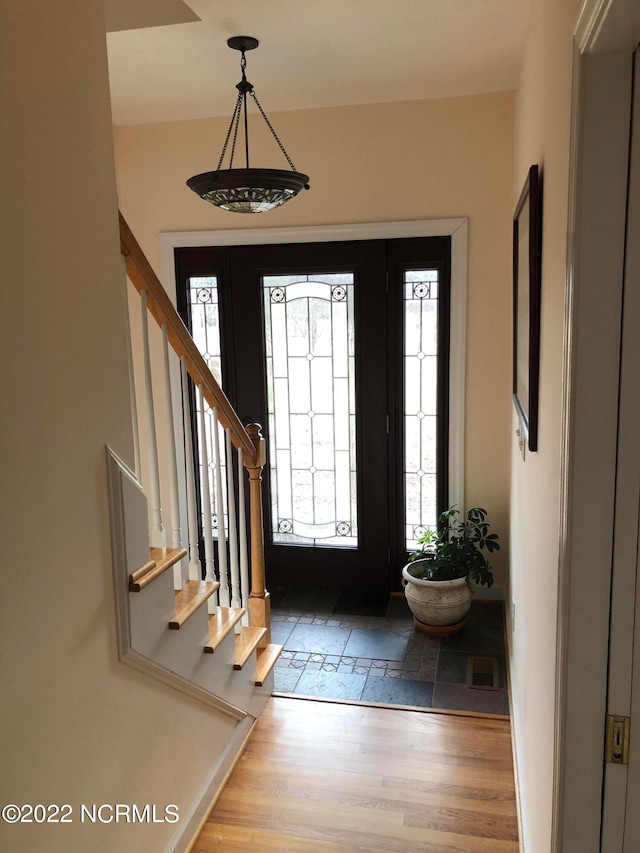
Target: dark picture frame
x=527 y=255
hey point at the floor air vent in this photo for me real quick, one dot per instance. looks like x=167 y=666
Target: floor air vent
x=482 y=673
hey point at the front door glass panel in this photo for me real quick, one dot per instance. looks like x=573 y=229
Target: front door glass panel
x=310 y=361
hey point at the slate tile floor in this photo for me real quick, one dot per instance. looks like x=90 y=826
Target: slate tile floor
x=382 y=658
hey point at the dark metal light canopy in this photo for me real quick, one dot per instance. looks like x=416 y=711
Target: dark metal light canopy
x=247 y=190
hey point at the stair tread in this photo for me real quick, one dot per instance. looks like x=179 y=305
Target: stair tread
x=189 y=599
x=266 y=660
x=161 y=560
x=221 y=623
x=170 y=555
x=246 y=643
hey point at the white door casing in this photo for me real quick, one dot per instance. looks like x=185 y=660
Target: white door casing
x=606 y=36
x=457 y=229
x=621 y=820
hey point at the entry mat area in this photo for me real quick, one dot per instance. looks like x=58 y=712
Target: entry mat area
x=339 y=644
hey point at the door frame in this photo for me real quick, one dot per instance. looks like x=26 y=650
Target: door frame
x=457 y=229
x=605 y=37
x=620 y=820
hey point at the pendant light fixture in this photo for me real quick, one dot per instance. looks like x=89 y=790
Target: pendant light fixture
x=247 y=190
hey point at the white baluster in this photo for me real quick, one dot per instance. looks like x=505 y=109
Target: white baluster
x=242 y=534
x=132 y=385
x=206 y=504
x=233 y=531
x=195 y=567
x=222 y=545
x=174 y=503
x=157 y=530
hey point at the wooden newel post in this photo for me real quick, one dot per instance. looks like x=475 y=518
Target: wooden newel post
x=259 y=603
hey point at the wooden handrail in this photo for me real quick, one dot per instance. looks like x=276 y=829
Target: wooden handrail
x=249 y=440
x=143 y=277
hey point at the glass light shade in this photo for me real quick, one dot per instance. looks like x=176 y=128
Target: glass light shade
x=248 y=190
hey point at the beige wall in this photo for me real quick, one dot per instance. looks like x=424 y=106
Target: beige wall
x=542 y=136
x=386 y=162
x=77 y=726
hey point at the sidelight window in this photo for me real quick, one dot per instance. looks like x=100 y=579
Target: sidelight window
x=420 y=402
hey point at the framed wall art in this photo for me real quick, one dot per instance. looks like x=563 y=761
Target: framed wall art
x=527 y=255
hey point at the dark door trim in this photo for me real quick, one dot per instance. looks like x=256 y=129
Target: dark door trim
x=457 y=229
x=379 y=268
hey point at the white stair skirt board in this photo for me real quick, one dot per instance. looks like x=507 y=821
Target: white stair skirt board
x=144 y=640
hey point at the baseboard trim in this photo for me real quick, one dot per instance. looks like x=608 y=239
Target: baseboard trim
x=185 y=838
x=514 y=746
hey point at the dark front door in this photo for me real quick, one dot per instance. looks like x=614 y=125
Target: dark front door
x=314 y=348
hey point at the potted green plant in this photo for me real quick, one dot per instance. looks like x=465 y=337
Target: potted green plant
x=441 y=575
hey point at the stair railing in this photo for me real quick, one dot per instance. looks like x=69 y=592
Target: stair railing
x=221 y=433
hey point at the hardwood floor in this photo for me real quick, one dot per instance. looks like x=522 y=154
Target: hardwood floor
x=323 y=777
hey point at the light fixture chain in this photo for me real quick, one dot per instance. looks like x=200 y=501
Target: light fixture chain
x=274 y=134
x=226 y=142
x=237 y=114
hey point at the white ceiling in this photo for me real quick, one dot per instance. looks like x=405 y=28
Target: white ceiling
x=312 y=53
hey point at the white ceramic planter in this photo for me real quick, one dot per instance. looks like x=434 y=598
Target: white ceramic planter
x=436 y=603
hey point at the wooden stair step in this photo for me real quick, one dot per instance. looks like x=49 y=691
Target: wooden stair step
x=266 y=660
x=220 y=624
x=246 y=643
x=161 y=560
x=189 y=599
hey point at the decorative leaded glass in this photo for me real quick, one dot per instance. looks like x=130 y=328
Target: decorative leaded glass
x=420 y=401
x=205 y=330
x=205 y=320
x=310 y=353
